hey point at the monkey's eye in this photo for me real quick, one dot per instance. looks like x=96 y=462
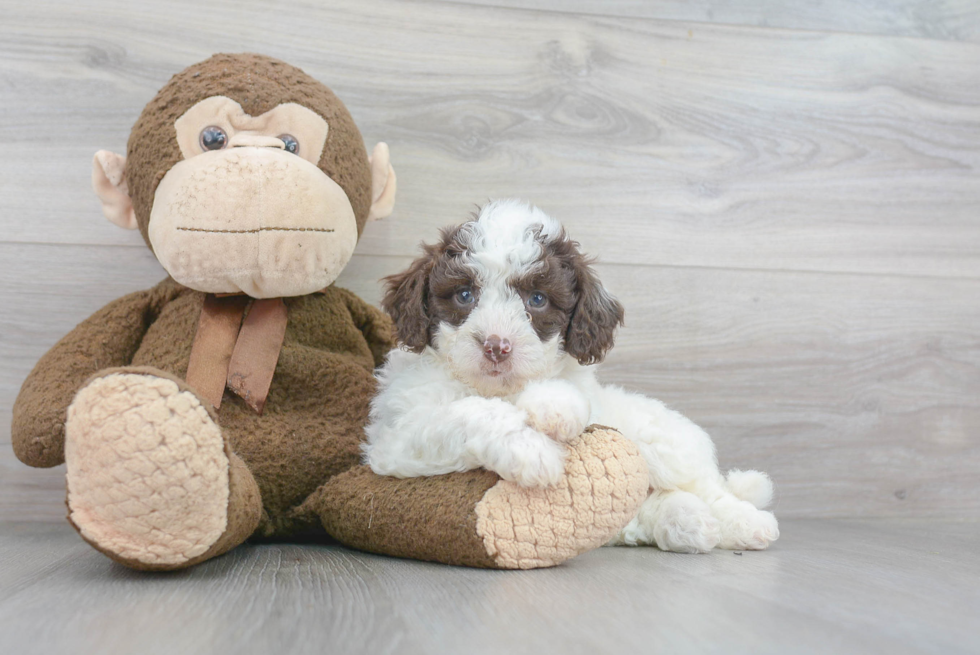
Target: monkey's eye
x=537 y=300
x=213 y=138
x=465 y=296
x=292 y=145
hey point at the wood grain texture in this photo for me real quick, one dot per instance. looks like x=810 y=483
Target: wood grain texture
x=826 y=586
x=742 y=147
x=951 y=20
x=791 y=218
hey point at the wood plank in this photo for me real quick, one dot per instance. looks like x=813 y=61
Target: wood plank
x=841 y=586
x=859 y=394
x=654 y=141
x=250 y=600
x=952 y=20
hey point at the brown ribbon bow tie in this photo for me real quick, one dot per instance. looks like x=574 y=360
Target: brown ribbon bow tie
x=239 y=355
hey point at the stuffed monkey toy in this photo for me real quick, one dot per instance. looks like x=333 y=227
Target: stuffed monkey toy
x=229 y=401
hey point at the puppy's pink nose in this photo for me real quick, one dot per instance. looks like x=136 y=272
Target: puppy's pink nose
x=496 y=349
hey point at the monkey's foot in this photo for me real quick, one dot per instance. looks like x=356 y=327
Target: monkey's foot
x=476 y=519
x=150 y=480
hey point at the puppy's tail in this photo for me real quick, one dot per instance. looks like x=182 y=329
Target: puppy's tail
x=753 y=486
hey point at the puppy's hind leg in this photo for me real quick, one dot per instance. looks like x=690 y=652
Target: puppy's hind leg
x=672 y=520
x=743 y=526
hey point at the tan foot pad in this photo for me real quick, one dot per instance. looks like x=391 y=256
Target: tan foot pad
x=604 y=485
x=147 y=470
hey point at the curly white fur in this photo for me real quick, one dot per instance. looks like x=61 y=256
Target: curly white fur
x=439 y=411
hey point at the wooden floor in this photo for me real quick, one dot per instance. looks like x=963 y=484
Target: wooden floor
x=828 y=586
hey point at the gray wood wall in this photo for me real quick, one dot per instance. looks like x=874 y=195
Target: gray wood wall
x=784 y=194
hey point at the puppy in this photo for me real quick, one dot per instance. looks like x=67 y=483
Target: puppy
x=501 y=323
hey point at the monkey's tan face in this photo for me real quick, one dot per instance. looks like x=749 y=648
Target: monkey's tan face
x=248 y=209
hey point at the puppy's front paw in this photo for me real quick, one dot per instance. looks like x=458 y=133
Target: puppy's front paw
x=533 y=460
x=555 y=409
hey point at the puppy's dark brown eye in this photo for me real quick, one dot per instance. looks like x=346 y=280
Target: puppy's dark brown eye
x=537 y=300
x=465 y=296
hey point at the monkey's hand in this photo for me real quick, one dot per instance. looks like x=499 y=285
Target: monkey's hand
x=108 y=338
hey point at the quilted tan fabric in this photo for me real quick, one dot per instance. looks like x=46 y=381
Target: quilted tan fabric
x=605 y=484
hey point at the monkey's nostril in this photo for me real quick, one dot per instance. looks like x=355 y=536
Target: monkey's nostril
x=496 y=349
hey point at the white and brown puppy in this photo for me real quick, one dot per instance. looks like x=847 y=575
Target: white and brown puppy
x=501 y=324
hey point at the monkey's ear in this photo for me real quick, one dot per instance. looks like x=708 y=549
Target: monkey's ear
x=383 y=183
x=109 y=182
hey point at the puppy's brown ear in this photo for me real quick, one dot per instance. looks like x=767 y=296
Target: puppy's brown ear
x=595 y=317
x=405 y=300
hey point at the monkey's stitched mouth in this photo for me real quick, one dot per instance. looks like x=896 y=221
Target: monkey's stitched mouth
x=258 y=229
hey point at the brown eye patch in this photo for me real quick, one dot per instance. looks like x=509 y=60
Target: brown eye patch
x=552 y=278
x=449 y=277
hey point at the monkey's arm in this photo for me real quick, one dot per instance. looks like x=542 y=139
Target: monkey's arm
x=110 y=337
x=374 y=324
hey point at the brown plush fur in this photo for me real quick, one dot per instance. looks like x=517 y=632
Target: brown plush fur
x=318 y=401
x=106 y=339
x=317 y=406
x=446 y=511
x=258 y=84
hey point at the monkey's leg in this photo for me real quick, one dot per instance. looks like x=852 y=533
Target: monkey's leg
x=151 y=480
x=477 y=519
